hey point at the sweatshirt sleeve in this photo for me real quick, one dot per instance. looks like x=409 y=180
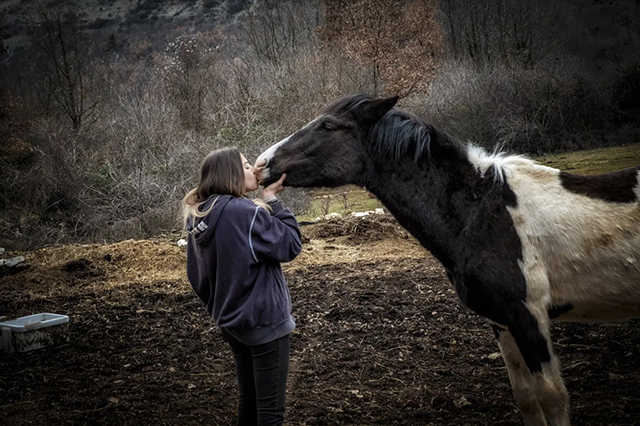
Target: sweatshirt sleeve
x=276 y=237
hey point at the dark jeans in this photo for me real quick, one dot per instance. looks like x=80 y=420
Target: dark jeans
x=262 y=378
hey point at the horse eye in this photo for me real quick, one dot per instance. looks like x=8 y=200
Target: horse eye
x=327 y=126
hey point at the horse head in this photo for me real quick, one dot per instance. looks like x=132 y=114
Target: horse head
x=330 y=150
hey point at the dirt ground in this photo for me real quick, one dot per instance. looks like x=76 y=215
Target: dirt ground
x=381 y=340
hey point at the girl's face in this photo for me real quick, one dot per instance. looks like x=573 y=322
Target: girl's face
x=250 y=179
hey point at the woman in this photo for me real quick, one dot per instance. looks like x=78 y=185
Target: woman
x=234 y=251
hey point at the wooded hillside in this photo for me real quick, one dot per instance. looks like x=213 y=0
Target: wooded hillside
x=107 y=108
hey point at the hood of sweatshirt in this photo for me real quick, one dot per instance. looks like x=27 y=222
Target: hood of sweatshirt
x=203 y=228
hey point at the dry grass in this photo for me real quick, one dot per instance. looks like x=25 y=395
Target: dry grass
x=331 y=242
x=341 y=250
x=143 y=261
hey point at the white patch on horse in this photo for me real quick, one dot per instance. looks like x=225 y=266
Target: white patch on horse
x=270 y=153
x=637 y=188
x=575 y=249
x=483 y=161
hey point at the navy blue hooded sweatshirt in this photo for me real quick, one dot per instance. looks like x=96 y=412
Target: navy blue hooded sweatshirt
x=233 y=264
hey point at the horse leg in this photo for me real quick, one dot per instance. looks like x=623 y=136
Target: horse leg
x=522 y=382
x=550 y=389
x=552 y=394
x=534 y=370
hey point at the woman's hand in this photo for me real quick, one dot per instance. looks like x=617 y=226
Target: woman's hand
x=274 y=188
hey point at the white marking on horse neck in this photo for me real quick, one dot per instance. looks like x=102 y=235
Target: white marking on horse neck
x=271 y=151
x=637 y=188
x=500 y=161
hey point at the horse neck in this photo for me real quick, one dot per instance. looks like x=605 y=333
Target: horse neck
x=430 y=198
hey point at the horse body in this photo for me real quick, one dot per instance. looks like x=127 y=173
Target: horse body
x=522 y=243
x=588 y=248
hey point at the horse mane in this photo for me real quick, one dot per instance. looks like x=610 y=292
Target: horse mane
x=397 y=133
x=400 y=133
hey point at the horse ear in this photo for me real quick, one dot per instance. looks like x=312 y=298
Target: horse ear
x=376 y=108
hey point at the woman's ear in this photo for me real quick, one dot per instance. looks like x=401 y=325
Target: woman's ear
x=374 y=109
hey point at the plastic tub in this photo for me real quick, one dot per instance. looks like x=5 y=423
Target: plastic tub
x=34 y=332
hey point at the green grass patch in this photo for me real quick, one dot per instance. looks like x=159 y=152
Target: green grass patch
x=594 y=161
x=344 y=199
x=348 y=199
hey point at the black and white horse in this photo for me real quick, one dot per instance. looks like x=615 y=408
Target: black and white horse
x=522 y=243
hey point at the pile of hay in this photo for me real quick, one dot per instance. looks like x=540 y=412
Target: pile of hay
x=358 y=229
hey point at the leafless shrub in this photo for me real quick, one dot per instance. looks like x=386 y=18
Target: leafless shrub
x=40 y=192
x=187 y=67
x=552 y=107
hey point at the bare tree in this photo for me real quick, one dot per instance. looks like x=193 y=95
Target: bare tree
x=277 y=29
x=398 y=39
x=498 y=30
x=187 y=73
x=67 y=77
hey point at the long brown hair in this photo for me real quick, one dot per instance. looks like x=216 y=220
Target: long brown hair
x=221 y=172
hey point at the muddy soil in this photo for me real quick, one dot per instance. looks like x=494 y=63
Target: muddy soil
x=381 y=340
